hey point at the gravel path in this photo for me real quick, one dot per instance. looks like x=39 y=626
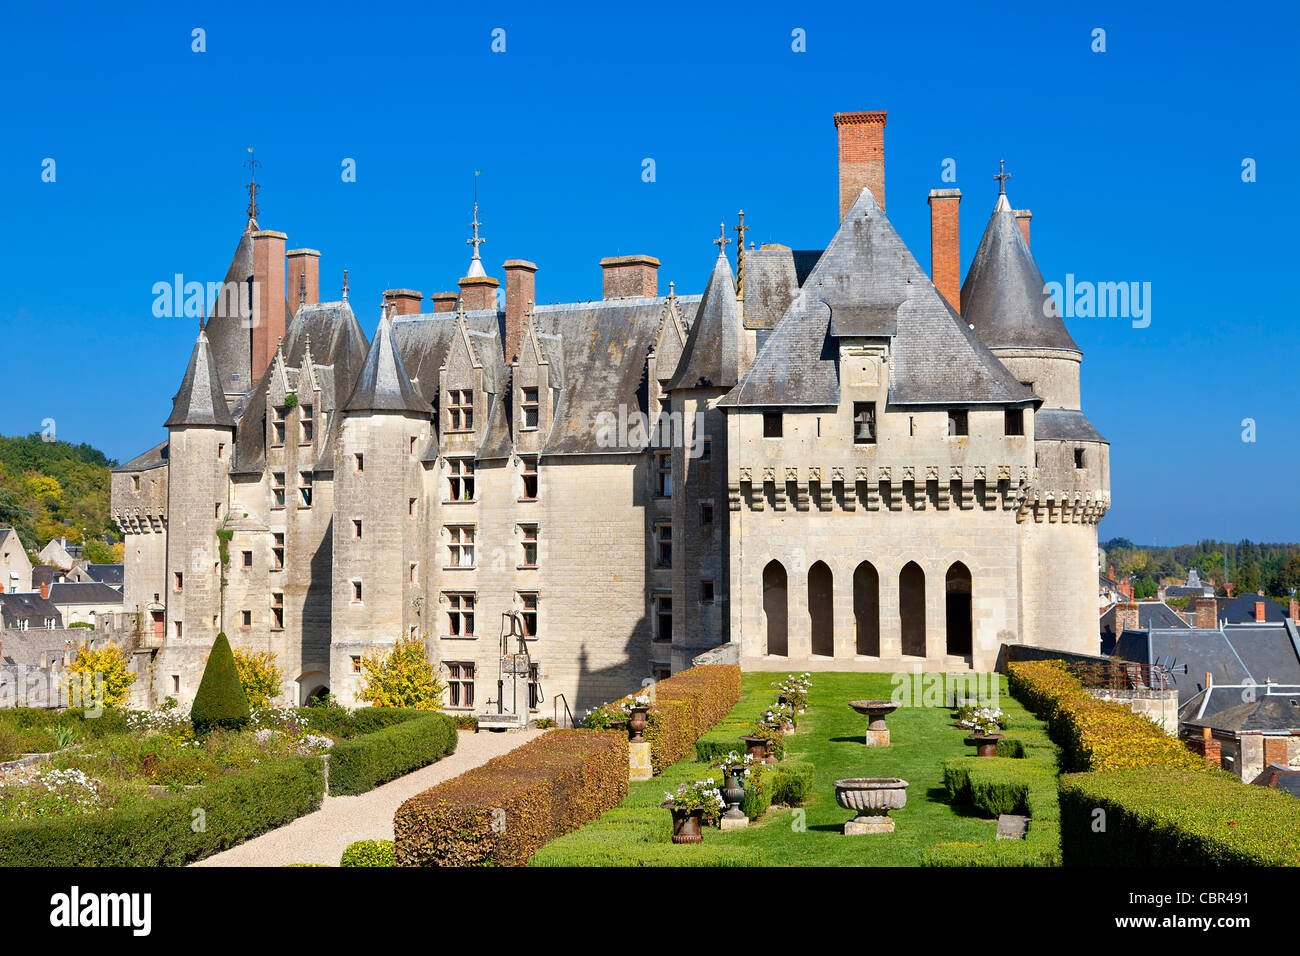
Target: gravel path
x=321 y=837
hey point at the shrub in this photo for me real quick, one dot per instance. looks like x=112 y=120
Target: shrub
x=685 y=706
x=404 y=677
x=10 y=743
x=466 y=722
x=1176 y=818
x=369 y=853
x=259 y=676
x=639 y=836
x=220 y=700
x=341 y=723
x=362 y=763
x=501 y=813
x=108 y=663
x=791 y=783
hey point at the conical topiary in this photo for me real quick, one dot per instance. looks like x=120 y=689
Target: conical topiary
x=220 y=701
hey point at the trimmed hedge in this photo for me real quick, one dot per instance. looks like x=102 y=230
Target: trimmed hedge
x=639 y=836
x=162 y=832
x=501 y=813
x=1176 y=818
x=362 y=763
x=369 y=853
x=343 y=723
x=220 y=700
x=1095 y=734
x=687 y=705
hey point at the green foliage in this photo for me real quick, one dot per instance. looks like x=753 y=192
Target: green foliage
x=82 y=624
x=404 y=677
x=363 y=763
x=291 y=400
x=369 y=853
x=54 y=489
x=220 y=700
x=99 y=676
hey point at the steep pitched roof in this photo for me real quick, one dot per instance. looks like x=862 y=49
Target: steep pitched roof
x=1064 y=424
x=200 y=400
x=226 y=328
x=383 y=385
x=711 y=356
x=935 y=358
x=1003 y=295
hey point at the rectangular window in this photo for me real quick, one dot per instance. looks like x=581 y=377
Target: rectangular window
x=460 y=615
x=216 y=511
x=180 y=580
x=864 y=423
x=360 y=462
x=530 y=477
x=706 y=592
x=1079 y=461
x=277 y=610
x=529 y=406
x=247 y=557
x=706 y=513
x=664 y=545
x=460 y=479
x=221 y=450
x=277 y=489
x=1014 y=421
x=305 y=424
x=278 y=425
x=529 y=532
x=460 y=410
x=460 y=684
x=663 y=617
x=772 y=425
x=176 y=683
x=412 y=448
x=663 y=474
x=706 y=451
x=246 y=618
x=135 y=482
x=410 y=507
x=176 y=628
x=356 y=591
x=957 y=423
x=528 y=614
x=356 y=528
x=356 y=663
x=304 y=488
x=277 y=550
x=460 y=546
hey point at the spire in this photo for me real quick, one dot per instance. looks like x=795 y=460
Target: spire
x=383 y=385
x=711 y=356
x=200 y=400
x=475 y=262
x=740 y=231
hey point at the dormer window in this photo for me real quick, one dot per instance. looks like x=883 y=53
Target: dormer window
x=529 y=405
x=460 y=410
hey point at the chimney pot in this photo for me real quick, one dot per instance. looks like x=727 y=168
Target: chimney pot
x=403 y=301
x=45 y=589
x=945 y=244
x=303 y=274
x=268 y=298
x=521 y=293
x=630 y=277
x=478 y=293
x=862 y=156
x=1022 y=220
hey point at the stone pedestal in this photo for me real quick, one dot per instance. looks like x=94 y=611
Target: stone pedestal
x=869 y=825
x=734 y=823
x=638 y=761
x=877 y=738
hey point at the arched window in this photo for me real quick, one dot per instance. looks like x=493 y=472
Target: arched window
x=866 y=610
x=821 y=609
x=957 y=588
x=775 y=609
x=911 y=609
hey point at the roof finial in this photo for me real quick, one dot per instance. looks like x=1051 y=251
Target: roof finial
x=722 y=240
x=345 y=285
x=740 y=255
x=252 y=187
x=475 y=262
x=1002 y=177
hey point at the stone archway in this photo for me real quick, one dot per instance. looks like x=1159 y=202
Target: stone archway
x=866 y=610
x=959 y=626
x=821 y=609
x=776 y=609
x=911 y=609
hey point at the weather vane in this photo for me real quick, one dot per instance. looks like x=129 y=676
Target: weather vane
x=252 y=187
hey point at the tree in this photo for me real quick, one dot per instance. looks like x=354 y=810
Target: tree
x=259 y=676
x=402 y=678
x=99 y=677
x=220 y=701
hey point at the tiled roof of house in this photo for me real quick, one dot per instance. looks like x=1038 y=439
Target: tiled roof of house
x=84 y=592
x=200 y=400
x=712 y=356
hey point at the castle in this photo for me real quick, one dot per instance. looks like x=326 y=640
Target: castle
x=861 y=466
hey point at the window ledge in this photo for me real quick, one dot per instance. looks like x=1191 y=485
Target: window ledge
x=459 y=501
x=460 y=567
x=527 y=567
x=458 y=637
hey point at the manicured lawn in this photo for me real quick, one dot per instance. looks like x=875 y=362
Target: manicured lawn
x=829 y=738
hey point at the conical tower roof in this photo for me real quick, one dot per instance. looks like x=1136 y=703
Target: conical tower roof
x=711 y=356
x=200 y=400
x=1004 y=297
x=383 y=385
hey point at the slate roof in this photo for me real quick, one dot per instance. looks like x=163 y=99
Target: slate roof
x=84 y=592
x=1064 y=424
x=1150 y=614
x=110 y=574
x=1004 y=296
x=1279 y=778
x=935 y=358
x=200 y=400
x=1252 y=709
x=711 y=356
x=44 y=574
x=383 y=385
x=155 y=457
x=1241 y=609
x=771 y=283
x=29 y=607
x=228 y=332
x=1232 y=655
x=33 y=648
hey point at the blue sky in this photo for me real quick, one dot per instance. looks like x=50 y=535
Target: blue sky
x=1131 y=160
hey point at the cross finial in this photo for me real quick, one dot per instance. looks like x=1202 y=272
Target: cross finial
x=345 y=285
x=1002 y=177
x=722 y=240
x=252 y=187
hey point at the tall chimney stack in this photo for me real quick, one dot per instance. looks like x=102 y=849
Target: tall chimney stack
x=478 y=292
x=945 y=244
x=403 y=301
x=1022 y=220
x=521 y=293
x=630 y=277
x=304 y=276
x=1260 y=615
x=268 y=294
x=1207 y=613
x=444 y=301
x=862 y=156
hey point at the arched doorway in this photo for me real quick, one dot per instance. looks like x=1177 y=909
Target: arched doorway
x=775 y=609
x=911 y=609
x=866 y=610
x=957 y=588
x=821 y=609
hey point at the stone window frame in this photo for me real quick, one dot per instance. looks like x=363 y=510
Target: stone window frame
x=773 y=425
x=306 y=425
x=528 y=469
x=530 y=536
x=178 y=581
x=279 y=425
x=958 y=423
x=460 y=684
x=355 y=660
x=460 y=410
x=246 y=560
x=657 y=600
x=277 y=610
x=277 y=490
x=306 y=488
x=460 y=479
x=1080 y=459
x=461 y=609
x=707 y=513
x=356 y=529
x=356 y=591
x=457 y=546
x=1013 y=422
x=529 y=405
x=277 y=550
x=706 y=451
x=530 y=613
x=708 y=593
x=245 y=617
x=663 y=474
x=865 y=412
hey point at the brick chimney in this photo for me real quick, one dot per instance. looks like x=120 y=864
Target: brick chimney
x=478 y=292
x=1022 y=220
x=1259 y=611
x=45 y=589
x=268 y=296
x=1207 y=613
x=862 y=156
x=444 y=301
x=521 y=294
x=403 y=301
x=1294 y=611
x=630 y=277
x=304 y=276
x=1127 y=618
x=945 y=244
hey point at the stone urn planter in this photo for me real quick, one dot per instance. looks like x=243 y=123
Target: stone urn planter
x=757 y=748
x=875 y=711
x=733 y=791
x=636 y=724
x=686 y=826
x=986 y=745
x=871 y=798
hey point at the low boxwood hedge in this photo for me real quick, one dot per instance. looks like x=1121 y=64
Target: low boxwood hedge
x=369 y=853
x=173 y=829
x=406 y=743
x=501 y=813
x=1176 y=818
x=343 y=723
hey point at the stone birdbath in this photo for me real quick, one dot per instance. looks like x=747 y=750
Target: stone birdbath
x=876 y=711
x=871 y=798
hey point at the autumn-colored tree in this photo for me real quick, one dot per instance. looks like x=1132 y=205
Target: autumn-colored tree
x=404 y=677
x=99 y=677
x=259 y=675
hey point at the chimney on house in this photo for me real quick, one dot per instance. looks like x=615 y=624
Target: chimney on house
x=630 y=277
x=444 y=301
x=268 y=298
x=403 y=301
x=1259 y=611
x=478 y=292
x=1126 y=588
x=45 y=589
x=1207 y=613
x=945 y=244
x=1127 y=618
x=1022 y=220
x=862 y=156
x=1294 y=611
x=521 y=294
x=304 y=277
